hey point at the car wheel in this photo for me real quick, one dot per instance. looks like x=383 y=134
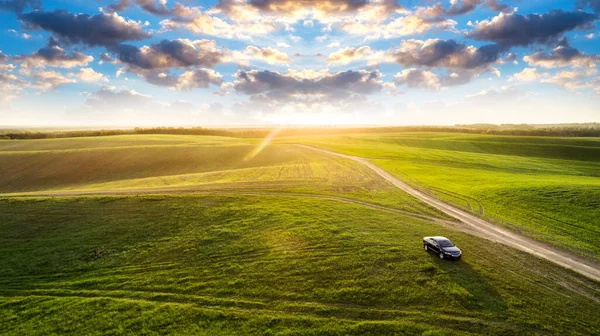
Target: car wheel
x=441 y=255
x=426 y=248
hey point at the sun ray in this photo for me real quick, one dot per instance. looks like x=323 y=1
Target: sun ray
x=258 y=149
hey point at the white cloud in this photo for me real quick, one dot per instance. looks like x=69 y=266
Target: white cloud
x=89 y=75
x=527 y=75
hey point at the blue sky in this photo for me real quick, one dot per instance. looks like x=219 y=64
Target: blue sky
x=251 y=62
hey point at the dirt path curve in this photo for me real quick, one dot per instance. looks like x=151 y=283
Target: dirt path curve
x=483 y=228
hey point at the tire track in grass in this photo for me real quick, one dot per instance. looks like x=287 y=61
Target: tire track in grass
x=314 y=309
x=483 y=228
x=233 y=192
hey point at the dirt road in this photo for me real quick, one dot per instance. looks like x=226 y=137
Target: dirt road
x=483 y=228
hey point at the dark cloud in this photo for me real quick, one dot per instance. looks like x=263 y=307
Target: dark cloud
x=462 y=7
x=292 y=6
x=563 y=55
x=150 y=6
x=18 y=6
x=281 y=96
x=99 y=30
x=447 y=54
x=3 y=57
x=508 y=30
x=307 y=88
x=468 y=6
x=53 y=55
x=154 y=62
x=461 y=62
x=178 y=53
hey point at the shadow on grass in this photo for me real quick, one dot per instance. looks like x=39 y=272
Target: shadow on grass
x=470 y=288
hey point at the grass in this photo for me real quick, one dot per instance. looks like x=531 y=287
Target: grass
x=113 y=141
x=220 y=265
x=546 y=188
x=204 y=163
x=271 y=252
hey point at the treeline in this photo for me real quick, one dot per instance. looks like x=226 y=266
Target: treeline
x=89 y=133
x=579 y=130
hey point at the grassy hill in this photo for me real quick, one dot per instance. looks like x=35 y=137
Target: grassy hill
x=547 y=188
x=222 y=265
x=288 y=240
x=202 y=163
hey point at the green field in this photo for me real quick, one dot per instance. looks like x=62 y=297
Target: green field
x=204 y=163
x=214 y=265
x=546 y=188
x=195 y=235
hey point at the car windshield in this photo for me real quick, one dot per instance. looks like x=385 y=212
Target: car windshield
x=446 y=243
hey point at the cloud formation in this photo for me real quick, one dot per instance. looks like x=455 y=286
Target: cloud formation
x=53 y=55
x=347 y=55
x=201 y=23
x=155 y=62
x=562 y=56
x=268 y=55
x=405 y=25
x=179 y=53
x=463 y=7
x=89 y=75
x=150 y=6
x=527 y=75
x=99 y=30
x=448 y=54
x=510 y=30
x=46 y=80
x=294 y=10
x=418 y=78
x=307 y=87
x=300 y=56
x=10 y=85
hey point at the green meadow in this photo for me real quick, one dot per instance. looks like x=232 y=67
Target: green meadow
x=207 y=236
x=546 y=188
x=222 y=265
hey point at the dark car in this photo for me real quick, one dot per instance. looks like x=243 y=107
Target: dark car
x=442 y=246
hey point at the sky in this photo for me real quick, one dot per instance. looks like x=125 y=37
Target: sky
x=298 y=62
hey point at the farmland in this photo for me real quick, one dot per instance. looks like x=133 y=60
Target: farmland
x=203 y=163
x=546 y=188
x=160 y=234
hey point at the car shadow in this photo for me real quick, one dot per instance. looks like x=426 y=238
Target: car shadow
x=469 y=287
